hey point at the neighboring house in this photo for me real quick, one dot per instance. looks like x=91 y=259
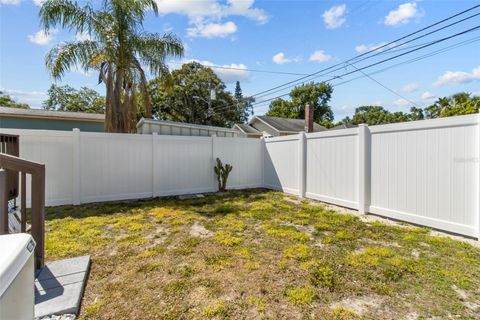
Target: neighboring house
x=247 y=131
x=14 y=118
x=162 y=127
x=275 y=126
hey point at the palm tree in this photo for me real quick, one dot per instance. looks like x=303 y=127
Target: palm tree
x=116 y=46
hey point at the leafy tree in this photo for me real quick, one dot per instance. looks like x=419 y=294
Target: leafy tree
x=244 y=104
x=416 y=114
x=185 y=97
x=316 y=94
x=66 y=98
x=459 y=104
x=118 y=49
x=7 y=101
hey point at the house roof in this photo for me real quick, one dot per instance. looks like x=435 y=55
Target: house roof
x=344 y=126
x=247 y=129
x=287 y=125
x=183 y=124
x=48 y=114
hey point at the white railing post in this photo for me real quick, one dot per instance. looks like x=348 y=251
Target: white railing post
x=302 y=162
x=214 y=159
x=155 y=189
x=478 y=191
x=363 y=168
x=263 y=154
x=77 y=182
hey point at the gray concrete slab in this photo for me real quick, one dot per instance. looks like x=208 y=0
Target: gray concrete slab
x=59 y=286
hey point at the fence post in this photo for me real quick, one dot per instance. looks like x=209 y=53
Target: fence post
x=77 y=183
x=363 y=168
x=302 y=162
x=263 y=154
x=214 y=159
x=478 y=191
x=155 y=188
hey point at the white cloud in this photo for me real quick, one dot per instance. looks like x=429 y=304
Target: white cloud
x=335 y=16
x=427 y=96
x=41 y=38
x=403 y=14
x=401 y=103
x=411 y=87
x=198 y=10
x=39 y=2
x=320 y=56
x=205 y=15
x=212 y=30
x=32 y=98
x=14 y=2
x=457 y=77
x=280 y=58
x=238 y=72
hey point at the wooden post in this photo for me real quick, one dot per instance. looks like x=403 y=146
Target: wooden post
x=38 y=215
x=302 y=162
x=363 y=168
x=3 y=202
x=23 y=199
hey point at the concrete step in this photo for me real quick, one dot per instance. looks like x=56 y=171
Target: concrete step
x=59 y=286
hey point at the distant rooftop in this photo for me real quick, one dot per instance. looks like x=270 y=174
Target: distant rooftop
x=248 y=129
x=288 y=125
x=48 y=114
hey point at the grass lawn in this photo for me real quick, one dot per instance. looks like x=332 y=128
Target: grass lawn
x=260 y=254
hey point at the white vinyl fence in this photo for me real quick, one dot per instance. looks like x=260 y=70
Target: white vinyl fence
x=84 y=167
x=424 y=172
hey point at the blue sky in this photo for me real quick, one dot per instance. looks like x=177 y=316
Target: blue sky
x=287 y=36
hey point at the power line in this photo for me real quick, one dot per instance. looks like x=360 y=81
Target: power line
x=257 y=70
x=384 y=86
x=373 y=50
x=386 y=45
x=430 y=54
x=341 y=64
x=386 y=60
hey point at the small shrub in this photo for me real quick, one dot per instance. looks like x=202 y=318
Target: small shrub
x=300 y=252
x=300 y=295
x=340 y=313
x=322 y=277
x=216 y=309
x=227 y=239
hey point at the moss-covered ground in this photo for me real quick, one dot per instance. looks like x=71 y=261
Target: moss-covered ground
x=259 y=254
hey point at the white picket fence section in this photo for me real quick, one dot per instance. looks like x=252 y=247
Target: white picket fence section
x=85 y=167
x=424 y=172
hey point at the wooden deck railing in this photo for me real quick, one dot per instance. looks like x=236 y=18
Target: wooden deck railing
x=10 y=168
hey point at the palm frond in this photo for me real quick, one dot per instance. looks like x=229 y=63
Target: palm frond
x=66 y=55
x=66 y=14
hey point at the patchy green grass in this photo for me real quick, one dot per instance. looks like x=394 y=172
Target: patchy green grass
x=260 y=255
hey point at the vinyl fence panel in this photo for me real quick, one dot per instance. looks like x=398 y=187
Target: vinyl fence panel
x=332 y=167
x=426 y=172
x=282 y=163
